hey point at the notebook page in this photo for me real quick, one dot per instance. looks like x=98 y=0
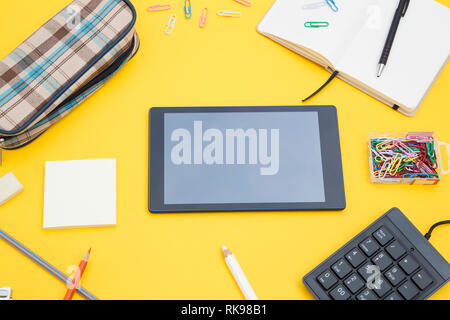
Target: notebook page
x=286 y=20
x=421 y=49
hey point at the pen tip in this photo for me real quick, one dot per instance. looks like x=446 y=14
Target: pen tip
x=380 y=70
x=226 y=251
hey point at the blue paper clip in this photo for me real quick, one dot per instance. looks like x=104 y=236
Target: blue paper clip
x=420 y=175
x=187 y=9
x=332 y=5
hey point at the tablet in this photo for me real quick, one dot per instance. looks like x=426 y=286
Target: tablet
x=244 y=159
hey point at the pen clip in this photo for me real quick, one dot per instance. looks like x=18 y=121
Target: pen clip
x=405 y=8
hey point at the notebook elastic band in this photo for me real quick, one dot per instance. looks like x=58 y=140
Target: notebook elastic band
x=335 y=73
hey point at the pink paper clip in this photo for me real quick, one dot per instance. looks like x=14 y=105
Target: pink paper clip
x=204 y=17
x=407 y=150
x=244 y=2
x=420 y=136
x=158 y=7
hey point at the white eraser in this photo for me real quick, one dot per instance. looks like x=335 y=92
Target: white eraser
x=9 y=187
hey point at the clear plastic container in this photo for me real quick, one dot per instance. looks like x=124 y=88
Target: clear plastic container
x=374 y=178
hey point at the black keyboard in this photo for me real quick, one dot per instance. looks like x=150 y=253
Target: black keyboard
x=389 y=260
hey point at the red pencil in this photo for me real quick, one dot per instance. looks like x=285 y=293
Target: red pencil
x=76 y=279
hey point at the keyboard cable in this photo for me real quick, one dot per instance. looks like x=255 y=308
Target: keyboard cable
x=428 y=234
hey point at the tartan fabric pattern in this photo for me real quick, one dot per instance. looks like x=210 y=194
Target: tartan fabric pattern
x=39 y=128
x=43 y=66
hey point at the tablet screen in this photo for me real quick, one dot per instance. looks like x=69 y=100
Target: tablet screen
x=242 y=157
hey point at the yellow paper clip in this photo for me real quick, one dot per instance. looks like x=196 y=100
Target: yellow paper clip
x=384 y=145
x=158 y=7
x=378 y=159
x=395 y=165
x=224 y=13
x=244 y=2
x=204 y=17
x=170 y=24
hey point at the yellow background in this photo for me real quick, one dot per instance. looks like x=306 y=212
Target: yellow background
x=178 y=256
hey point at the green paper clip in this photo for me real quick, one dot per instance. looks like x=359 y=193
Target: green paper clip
x=316 y=24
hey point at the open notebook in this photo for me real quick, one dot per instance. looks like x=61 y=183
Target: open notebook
x=354 y=40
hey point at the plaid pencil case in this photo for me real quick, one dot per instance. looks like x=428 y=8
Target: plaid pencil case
x=61 y=64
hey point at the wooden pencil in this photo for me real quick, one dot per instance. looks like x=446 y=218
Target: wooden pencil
x=76 y=279
x=44 y=264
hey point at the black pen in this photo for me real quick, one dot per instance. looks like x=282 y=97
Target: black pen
x=399 y=13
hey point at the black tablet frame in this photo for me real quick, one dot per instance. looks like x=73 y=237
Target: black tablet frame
x=330 y=150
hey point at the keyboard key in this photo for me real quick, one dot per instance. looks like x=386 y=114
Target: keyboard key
x=366 y=295
x=369 y=246
x=341 y=268
x=355 y=257
x=422 y=279
x=394 y=296
x=408 y=290
x=395 y=275
x=354 y=283
x=383 y=236
x=340 y=293
x=365 y=271
x=382 y=260
x=383 y=288
x=327 y=279
x=396 y=250
x=408 y=264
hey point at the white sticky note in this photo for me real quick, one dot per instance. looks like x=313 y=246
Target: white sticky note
x=9 y=187
x=80 y=193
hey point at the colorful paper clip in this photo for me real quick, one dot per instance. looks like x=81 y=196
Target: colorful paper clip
x=404 y=157
x=316 y=5
x=158 y=7
x=332 y=5
x=316 y=24
x=187 y=9
x=204 y=17
x=244 y=2
x=224 y=13
x=171 y=24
